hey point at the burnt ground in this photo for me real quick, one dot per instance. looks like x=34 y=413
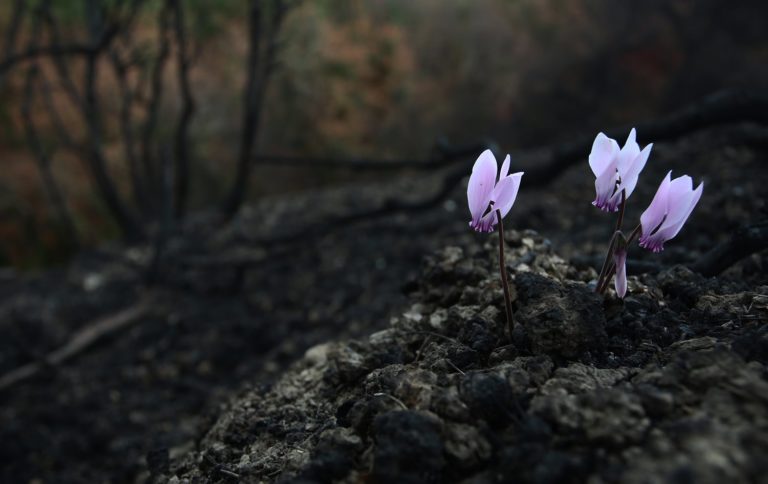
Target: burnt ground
x=680 y=365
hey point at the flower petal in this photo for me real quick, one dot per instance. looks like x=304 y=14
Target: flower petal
x=654 y=214
x=670 y=232
x=678 y=201
x=605 y=184
x=603 y=154
x=504 y=168
x=481 y=184
x=628 y=153
x=505 y=193
x=632 y=172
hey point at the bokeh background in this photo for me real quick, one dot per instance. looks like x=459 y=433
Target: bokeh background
x=383 y=79
x=195 y=192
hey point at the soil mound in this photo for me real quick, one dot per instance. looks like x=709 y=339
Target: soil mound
x=668 y=386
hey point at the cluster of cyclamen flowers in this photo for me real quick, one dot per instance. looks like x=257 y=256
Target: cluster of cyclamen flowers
x=616 y=173
x=491 y=196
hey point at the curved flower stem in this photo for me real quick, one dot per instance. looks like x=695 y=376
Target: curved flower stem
x=604 y=284
x=623 y=204
x=608 y=266
x=634 y=234
x=503 y=270
x=606 y=262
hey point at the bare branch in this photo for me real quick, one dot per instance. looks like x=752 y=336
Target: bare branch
x=96 y=159
x=62 y=68
x=127 y=98
x=444 y=157
x=51 y=187
x=153 y=106
x=181 y=142
x=255 y=88
x=56 y=49
x=744 y=242
x=728 y=106
x=12 y=34
x=91 y=333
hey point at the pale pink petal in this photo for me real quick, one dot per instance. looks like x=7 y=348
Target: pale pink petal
x=505 y=193
x=605 y=184
x=632 y=173
x=628 y=153
x=671 y=231
x=603 y=154
x=481 y=184
x=678 y=201
x=654 y=214
x=504 y=168
x=487 y=222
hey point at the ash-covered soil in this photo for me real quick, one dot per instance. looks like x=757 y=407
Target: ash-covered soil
x=669 y=386
x=230 y=310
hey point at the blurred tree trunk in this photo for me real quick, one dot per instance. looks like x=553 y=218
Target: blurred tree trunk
x=264 y=22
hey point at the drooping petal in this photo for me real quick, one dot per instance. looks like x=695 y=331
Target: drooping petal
x=481 y=184
x=504 y=168
x=605 y=184
x=614 y=202
x=678 y=200
x=669 y=232
x=487 y=222
x=620 y=259
x=632 y=172
x=505 y=193
x=628 y=153
x=654 y=215
x=603 y=154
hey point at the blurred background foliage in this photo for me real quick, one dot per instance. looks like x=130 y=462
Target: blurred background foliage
x=387 y=78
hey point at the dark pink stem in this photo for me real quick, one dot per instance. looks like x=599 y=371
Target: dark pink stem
x=503 y=270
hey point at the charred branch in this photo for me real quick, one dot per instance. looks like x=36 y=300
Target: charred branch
x=181 y=137
x=724 y=107
x=43 y=156
x=127 y=100
x=258 y=71
x=95 y=156
x=148 y=157
x=744 y=242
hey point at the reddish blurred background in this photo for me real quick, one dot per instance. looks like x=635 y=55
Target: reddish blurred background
x=384 y=79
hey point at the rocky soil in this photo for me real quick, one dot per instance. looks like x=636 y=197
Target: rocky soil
x=668 y=386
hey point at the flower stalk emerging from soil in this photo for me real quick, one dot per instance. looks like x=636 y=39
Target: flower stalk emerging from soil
x=617 y=172
x=503 y=271
x=490 y=199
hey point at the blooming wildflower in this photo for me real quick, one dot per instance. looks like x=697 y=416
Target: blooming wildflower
x=673 y=203
x=615 y=169
x=620 y=259
x=486 y=195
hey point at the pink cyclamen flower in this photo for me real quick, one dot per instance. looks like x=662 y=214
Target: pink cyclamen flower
x=673 y=203
x=615 y=169
x=620 y=259
x=486 y=195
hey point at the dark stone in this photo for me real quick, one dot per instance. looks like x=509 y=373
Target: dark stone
x=342 y=413
x=409 y=448
x=559 y=319
x=158 y=461
x=489 y=397
x=328 y=466
x=753 y=345
x=479 y=335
